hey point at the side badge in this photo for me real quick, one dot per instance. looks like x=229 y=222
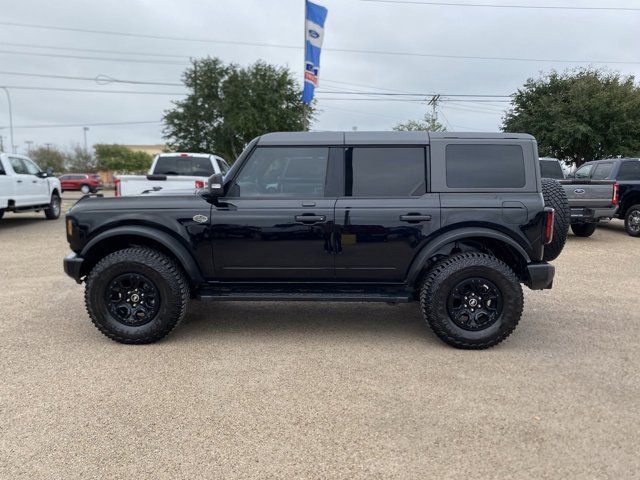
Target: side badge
x=200 y=218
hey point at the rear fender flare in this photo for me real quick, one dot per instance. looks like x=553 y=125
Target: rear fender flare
x=182 y=255
x=431 y=248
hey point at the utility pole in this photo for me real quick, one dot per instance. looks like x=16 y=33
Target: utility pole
x=28 y=143
x=84 y=132
x=434 y=105
x=13 y=145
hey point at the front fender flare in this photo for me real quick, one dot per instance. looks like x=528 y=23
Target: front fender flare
x=460 y=234
x=183 y=256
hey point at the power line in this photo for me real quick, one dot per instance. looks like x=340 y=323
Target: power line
x=88 y=90
x=389 y=94
x=101 y=79
x=294 y=47
x=100 y=124
x=493 y=5
x=84 y=57
x=94 y=50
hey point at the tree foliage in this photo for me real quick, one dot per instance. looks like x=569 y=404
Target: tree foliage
x=579 y=115
x=49 y=157
x=118 y=158
x=429 y=123
x=79 y=160
x=229 y=105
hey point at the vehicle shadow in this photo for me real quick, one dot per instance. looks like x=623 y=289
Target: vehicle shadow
x=10 y=221
x=304 y=320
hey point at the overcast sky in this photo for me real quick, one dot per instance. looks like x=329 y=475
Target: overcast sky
x=592 y=35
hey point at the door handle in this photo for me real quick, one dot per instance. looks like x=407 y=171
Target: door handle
x=34 y=181
x=415 y=218
x=310 y=218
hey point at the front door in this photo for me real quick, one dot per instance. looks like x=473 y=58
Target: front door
x=386 y=214
x=39 y=185
x=276 y=222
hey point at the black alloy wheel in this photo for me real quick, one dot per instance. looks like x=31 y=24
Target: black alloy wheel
x=132 y=299
x=474 y=304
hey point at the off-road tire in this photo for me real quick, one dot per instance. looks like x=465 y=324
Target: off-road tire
x=446 y=274
x=583 y=229
x=52 y=212
x=627 y=220
x=166 y=275
x=556 y=198
x=84 y=189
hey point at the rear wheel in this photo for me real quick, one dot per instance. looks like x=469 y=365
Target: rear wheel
x=632 y=221
x=556 y=198
x=583 y=229
x=137 y=295
x=472 y=300
x=85 y=189
x=53 y=210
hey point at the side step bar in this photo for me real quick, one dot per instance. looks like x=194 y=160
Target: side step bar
x=305 y=297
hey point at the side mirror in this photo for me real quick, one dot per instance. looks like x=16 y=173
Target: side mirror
x=216 y=185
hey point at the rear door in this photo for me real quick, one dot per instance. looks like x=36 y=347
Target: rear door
x=6 y=185
x=276 y=221
x=385 y=213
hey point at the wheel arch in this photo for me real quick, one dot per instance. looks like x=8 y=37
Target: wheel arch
x=497 y=243
x=123 y=237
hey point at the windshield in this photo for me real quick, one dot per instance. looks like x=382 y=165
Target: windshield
x=185 y=166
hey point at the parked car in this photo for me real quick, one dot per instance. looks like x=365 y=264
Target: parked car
x=85 y=182
x=172 y=171
x=24 y=187
x=455 y=222
x=619 y=179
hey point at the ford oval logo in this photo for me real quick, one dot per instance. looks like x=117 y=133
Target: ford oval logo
x=200 y=218
x=579 y=191
x=314 y=34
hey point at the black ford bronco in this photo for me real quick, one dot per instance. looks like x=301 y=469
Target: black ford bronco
x=455 y=222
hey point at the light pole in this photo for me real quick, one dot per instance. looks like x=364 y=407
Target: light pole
x=13 y=145
x=84 y=132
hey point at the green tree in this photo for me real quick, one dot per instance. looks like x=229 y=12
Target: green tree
x=79 y=160
x=118 y=158
x=579 y=115
x=429 y=123
x=47 y=157
x=229 y=105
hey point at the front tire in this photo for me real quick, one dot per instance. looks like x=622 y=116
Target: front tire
x=52 y=212
x=583 y=229
x=632 y=221
x=137 y=295
x=471 y=300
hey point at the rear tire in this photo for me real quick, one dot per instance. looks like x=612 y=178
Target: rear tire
x=137 y=295
x=583 y=229
x=471 y=300
x=632 y=221
x=85 y=189
x=556 y=198
x=53 y=210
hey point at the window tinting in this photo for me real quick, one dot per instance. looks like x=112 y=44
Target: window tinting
x=485 y=166
x=551 y=169
x=18 y=166
x=629 y=170
x=602 y=171
x=186 y=166
x=385 y=172
x=287 y=171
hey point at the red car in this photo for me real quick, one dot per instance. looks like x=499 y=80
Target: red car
x=85 y=182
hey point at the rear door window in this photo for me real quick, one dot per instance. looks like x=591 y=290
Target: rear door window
x=602 y=171
x=629 y=170
x=184 y=165
x=485 y=166
x=385 y=172
x=18 y=166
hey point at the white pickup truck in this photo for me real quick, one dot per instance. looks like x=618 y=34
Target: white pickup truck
x=24 y=187
x=172 y=171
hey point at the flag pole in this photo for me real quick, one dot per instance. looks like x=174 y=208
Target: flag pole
x=304 y=61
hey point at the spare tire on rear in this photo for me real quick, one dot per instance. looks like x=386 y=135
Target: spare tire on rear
x=556 y=198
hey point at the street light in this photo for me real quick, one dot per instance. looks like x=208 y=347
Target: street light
x=13 y=146
x=84 y=131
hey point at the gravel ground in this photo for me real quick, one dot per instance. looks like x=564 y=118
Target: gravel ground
x=277 y=390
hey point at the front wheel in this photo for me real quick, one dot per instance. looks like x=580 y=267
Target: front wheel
x=632 y=221
x=137 y=295
x=471 y=300
x=53 y=210
x=583 y=229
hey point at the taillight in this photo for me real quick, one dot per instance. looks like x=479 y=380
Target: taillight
x=199 y=184
x=549 y=218
x=616 y=193
x=117 y=183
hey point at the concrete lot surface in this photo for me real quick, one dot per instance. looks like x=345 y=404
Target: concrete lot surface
x=291 y=390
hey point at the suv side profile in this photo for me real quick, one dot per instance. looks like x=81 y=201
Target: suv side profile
x=455 y=222
x=86 y=183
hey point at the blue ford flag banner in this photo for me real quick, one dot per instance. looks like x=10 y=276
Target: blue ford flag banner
x=314 y=35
